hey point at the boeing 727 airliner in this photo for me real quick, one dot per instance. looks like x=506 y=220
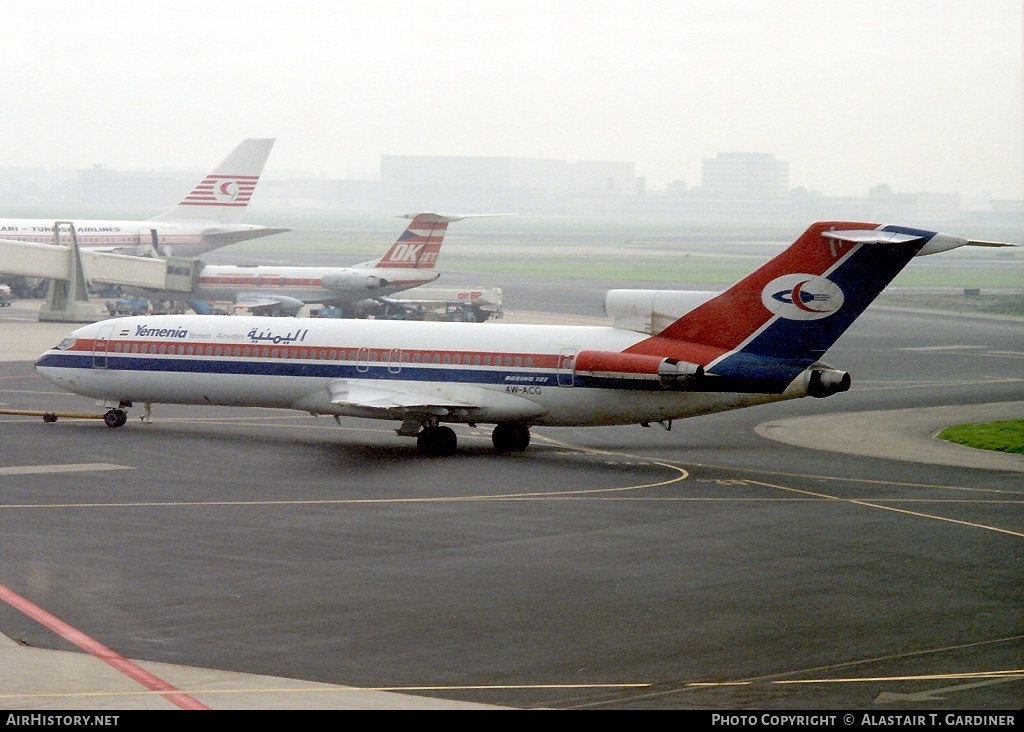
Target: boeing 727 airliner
x=666 y=356
x=208 y=218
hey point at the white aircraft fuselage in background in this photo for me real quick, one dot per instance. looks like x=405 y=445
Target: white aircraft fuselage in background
x=208 y=218
x=295 y=286
x=409 y=262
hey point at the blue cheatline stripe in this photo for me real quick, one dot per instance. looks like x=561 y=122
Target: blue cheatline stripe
x=758 y=375
x=309 y=368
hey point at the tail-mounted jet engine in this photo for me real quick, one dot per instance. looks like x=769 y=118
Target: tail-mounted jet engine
x=826 y=382
x=635 y=371
x=353 y=281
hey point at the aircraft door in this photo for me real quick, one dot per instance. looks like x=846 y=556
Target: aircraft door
x=566 y=366
x=149 y=244
x=99 y=347
x=395 y=360
x=363 y=360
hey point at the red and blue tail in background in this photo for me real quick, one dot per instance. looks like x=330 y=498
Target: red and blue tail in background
x=764 y=331
x=419 y=245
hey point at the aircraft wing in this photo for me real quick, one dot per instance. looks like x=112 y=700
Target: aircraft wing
x=225 y=236
x=260 y=300
x=437 y=399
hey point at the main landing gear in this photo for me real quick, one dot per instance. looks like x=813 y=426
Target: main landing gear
x=510 y=437
x=115 y=418
x=438 y=441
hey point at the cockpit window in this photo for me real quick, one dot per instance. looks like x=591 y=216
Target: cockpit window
x=66 y=344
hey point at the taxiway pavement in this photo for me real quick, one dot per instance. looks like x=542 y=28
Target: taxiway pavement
x=619 y=608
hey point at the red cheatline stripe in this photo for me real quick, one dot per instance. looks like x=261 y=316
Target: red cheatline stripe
x=100 y=651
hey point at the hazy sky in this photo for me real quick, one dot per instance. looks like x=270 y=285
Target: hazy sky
x=925 y=95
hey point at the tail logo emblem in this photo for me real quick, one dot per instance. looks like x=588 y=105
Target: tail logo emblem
x=226 y=191
x=405 y=253
x=802 y=297
x=220 y=190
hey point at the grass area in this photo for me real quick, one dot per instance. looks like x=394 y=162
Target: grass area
x=1005 y=436
x=697 y=269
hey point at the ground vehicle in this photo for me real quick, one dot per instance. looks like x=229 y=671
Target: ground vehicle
x=127 y=306
x=142 y=306
x=454 y=305
x=25 y=287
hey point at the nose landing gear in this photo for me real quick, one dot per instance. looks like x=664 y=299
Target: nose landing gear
x=115 y=418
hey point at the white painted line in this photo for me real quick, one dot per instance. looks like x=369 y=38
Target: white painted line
x=69 y=468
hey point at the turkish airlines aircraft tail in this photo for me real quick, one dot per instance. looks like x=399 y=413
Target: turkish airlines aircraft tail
x=223 y=195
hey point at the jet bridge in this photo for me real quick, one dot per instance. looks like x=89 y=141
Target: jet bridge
x=69 y=268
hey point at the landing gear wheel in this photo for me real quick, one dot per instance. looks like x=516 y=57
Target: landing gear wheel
x=436 y=441
x=508 y=437
x=115 y=418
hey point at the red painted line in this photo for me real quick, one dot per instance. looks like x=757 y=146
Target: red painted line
x=187 y=202
x=98 y=650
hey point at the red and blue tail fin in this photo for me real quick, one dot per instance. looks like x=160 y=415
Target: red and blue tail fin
x=419 y=245
x=777 y=321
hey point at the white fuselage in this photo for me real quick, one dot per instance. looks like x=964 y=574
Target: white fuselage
x=326 y=285
x=180 y=238
x=497 y=372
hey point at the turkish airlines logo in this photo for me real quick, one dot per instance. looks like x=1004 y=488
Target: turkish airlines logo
x=226 y=191
x=223 y=191
x=802 y=297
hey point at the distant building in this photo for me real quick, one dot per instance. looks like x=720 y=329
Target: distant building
x=101 y=186
x=736 y=188
x=492 y=183
x=745 y=177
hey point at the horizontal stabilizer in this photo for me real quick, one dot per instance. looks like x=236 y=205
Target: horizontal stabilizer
x=433 y=218
x=980 y=243
x=868 y=236
x=936 y=243
x=224 y=237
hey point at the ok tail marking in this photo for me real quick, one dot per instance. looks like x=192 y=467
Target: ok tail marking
x=419 y=245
